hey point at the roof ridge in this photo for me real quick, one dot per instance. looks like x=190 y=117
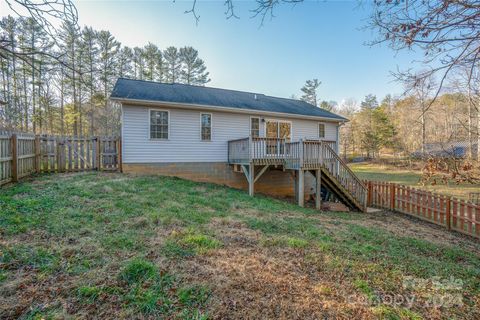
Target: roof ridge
x=214 y=88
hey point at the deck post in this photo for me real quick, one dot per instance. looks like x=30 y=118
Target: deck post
x=301 y=187
x=318 y=189
x=295 y=184
x=251 y=179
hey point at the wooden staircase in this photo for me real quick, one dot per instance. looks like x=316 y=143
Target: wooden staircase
x=317 y=156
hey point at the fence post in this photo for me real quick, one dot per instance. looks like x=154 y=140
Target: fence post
x=58 y=155
x=447 y=215
x=370 y=194
x=37 y=152
x=14 y=141
x=392 y=196
x=119 y=157
x=97 y=153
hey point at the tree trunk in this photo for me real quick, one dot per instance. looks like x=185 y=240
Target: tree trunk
x=422 y=120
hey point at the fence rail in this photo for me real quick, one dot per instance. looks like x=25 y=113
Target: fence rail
x=24 y=154
x=452 y=213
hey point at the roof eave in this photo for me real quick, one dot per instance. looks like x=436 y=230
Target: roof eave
x=225 y=109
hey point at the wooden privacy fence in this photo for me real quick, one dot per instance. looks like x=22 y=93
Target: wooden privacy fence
x=24 y=154
x=452 y=213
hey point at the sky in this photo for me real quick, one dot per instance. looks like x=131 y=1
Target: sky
x=314 y=39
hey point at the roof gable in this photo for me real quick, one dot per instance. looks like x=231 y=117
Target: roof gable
x=127 y=89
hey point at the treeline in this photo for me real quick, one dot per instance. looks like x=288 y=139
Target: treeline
x=409 y=125
x=60 y=84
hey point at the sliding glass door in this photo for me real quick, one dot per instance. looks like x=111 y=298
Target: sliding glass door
x=275 y=130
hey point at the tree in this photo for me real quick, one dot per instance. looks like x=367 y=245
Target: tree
x=125 y=59
x=69 y=94
x=138 y=63
x=172 y=64
x=348 y=108
x=445 y=31
x=421 y=87
x=369 y=139
x=328 y=105
x=309 y=90
x=151 y=57
x=193 y=70
x=68 y=37
x=370 y=102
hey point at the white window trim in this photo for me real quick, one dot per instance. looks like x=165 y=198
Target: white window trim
x=150 y=121
x=324 y=130
x=278 y=120
x=211 y=126
x=250 y=125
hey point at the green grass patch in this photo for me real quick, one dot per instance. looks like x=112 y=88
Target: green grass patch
x=189 y=242
x=138 y=270
x=21 y=256
x=89 y=294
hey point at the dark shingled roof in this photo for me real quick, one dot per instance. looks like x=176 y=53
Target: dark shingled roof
x=188 y=94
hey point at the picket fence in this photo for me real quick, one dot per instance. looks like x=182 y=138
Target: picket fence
x=449 y=212
x=23 y=154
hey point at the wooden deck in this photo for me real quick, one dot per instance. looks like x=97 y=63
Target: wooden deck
x=316 y=156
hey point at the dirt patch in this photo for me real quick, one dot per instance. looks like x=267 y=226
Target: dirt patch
x=253 y=282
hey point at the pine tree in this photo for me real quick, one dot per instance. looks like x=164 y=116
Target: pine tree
x=172 y=64
x=125 y=60
x=193 y=70
x=69 y=36
x=90 y=77
x=138 y=63
x=310 y=91
x=151 y=56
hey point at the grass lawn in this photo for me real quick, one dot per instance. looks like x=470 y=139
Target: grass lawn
x=118 y=246
x=379 y=172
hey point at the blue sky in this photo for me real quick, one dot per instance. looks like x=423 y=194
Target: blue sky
x=315 y=39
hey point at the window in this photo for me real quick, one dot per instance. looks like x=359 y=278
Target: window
x=321 y=130
x=206 y=121
x=255 y=127
x=158 y=124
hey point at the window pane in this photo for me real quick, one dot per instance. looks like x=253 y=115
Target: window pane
x=158 y=124
x=255 y=127
x=285 y=130
x=206 y=130
x=321 y=130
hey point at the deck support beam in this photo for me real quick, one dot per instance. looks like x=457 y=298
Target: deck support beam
x=251 y=180
x=262 y=171
x=318 y=189
x=249 y=171
x=301 y=187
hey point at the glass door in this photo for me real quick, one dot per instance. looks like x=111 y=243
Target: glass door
x=276 y=130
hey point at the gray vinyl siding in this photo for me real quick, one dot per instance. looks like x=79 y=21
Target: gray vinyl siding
x=184 y=143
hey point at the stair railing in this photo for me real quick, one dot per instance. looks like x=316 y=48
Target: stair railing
x=343 y=174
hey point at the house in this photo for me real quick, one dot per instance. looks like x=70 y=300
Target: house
x=244 y=140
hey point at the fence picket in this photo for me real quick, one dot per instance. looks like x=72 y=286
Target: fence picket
x=452 y=213
x=48 y=154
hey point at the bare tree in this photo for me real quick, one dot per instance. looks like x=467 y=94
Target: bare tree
x=447 y=32
x=421 y=87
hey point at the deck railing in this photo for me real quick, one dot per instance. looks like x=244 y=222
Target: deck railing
x=267 y=150
x=239 y=150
